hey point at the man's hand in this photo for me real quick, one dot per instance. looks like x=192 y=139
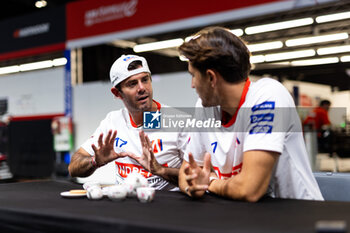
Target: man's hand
x=147 y=158
x=105 y=153
x=197 y=178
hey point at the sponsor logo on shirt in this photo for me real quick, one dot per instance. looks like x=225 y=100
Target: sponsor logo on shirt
x=238 y=141
x=124 y=169
x=261 y=117
x=261 y=129
x=235 y=170
x=120 y=142
x=267 y=105
x=154 y=180
x=152 y=120
x=157 y=145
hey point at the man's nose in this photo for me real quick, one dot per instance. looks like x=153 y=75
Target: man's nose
x=192 y=83
x=141 y=86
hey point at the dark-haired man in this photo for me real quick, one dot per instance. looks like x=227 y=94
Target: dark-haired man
x=119 y=137
x=259 y=149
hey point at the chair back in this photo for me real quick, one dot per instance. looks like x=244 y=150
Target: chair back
x=334 y=186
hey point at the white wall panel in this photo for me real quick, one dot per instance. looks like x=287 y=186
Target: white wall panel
x=38 y=92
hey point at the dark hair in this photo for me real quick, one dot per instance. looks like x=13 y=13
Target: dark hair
x=218 y=49
x=132 y=66
x=325 y=102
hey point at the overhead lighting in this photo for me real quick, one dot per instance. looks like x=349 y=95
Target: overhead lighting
x=333 y=17
x=59 y=61
x=123 y=43
x=345 y=58
x=40 y=4
x=278 y=26
x=289 y=55
x=237 y=32
x=33 y=66
x=316 y=39
x=187 y=39
x=265 y=46
x=333 y=50
x=158 y=45
x=318 y=61
x=36 y=65
x=279 y=64
x=9 y=69
x=183 y=58
x=257 y=59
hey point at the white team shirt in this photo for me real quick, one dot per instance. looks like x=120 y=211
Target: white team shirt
x=168 y=148
x=266 y=120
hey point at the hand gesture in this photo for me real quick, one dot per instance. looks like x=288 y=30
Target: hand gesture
x=196 y=177
x=147 y=158
x=105 y=153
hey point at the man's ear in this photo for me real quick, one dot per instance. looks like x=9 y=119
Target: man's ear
x=116 y=93
x=213 y=78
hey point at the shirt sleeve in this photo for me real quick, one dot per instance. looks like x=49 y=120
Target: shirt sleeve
x=270 y=119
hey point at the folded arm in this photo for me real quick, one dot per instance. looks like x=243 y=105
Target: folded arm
x=253 y=180
x=249 y=185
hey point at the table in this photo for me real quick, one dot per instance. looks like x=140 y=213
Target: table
x=38 y=207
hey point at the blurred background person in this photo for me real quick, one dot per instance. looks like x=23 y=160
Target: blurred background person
x=318 y=121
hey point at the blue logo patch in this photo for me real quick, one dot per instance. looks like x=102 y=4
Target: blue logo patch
x=261 y=129
x=264 y=106
x=261 y=117
x=128 y=58
x=152 y=120
x=120 y=142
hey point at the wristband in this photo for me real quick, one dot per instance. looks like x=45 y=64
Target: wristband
x=93 y=162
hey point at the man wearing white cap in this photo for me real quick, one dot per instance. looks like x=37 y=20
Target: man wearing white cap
x=119 y=137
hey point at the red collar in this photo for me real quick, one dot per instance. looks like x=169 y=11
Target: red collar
x=224 y=115
x=133 y=122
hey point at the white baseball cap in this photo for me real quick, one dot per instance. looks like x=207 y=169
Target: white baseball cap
x=119 y=70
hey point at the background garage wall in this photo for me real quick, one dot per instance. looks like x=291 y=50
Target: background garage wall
x=34 y=93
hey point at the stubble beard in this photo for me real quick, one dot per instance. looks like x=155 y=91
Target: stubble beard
x=142 y=107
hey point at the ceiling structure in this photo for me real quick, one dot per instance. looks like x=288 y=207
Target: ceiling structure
x=98 y=59
x=336 y=74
